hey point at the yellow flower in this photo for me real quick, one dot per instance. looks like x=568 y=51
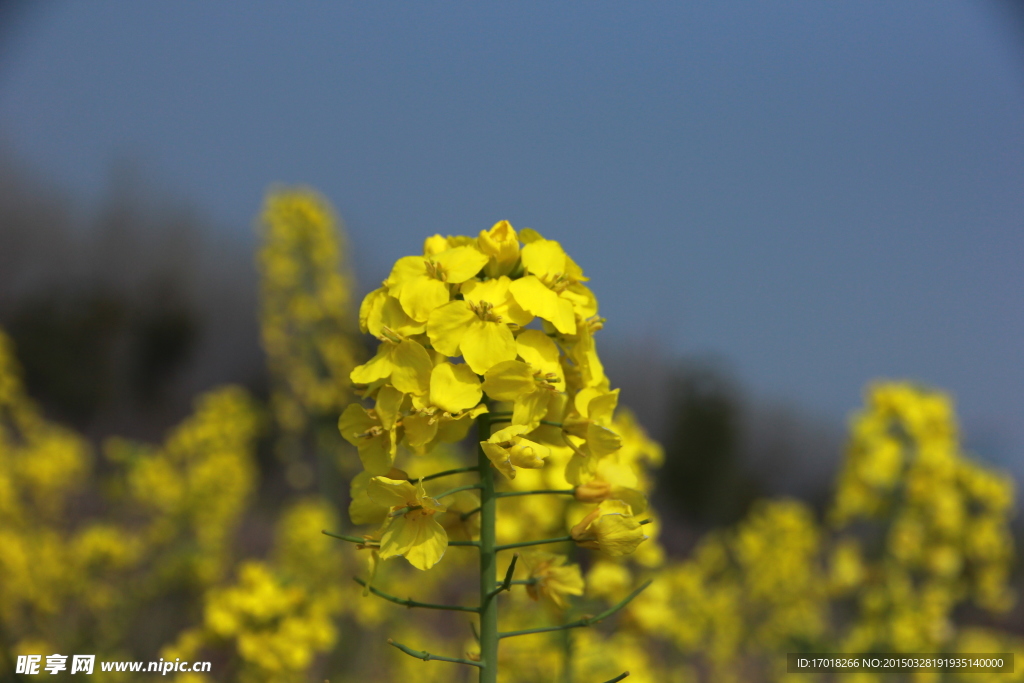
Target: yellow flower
x=610 y=528
x=552 y=287
x=593 y=414
x=410 y=529
x=528 y=385
x=364 y=510
x=507 y=449
x=612 y=481
x=447 y=407
x=381 y=313
x=444 y=400
x=477 y=326
x=502 y=248
x=453 y=388
x=403 y=361
x=428 y=427
x=376 y=442
x=584 y=354
x=458 y=520
x=551 y=577
x=846 y=570
x=420 y=283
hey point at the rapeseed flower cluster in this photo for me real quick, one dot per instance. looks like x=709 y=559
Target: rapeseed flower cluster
x=471 y=299
x=497 y=330
x=916 y=529
x=169 y=516
x=278 y=614
x=943 y=517
x=306 y=316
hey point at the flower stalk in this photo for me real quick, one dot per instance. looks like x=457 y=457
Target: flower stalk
x=585 y=621
x=488 y=560
x=426 y=656
x=409 y=602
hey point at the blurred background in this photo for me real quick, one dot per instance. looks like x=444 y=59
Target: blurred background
x=776 y=202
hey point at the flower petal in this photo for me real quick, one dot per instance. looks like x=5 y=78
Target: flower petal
x=531 y=408
x=389 y=402
x=508 y=380
x=447 y=326
x=461 y=263
x=363 y=510
x=421 y=296
x=486 y=344
x=454 y=387
x=391 y=492
x=499 y=457
x=535 y=298
x=540 y=351
x=412 y=365
x=419 y=430
x=544 y=257
x=418 y=537
x=378 y=367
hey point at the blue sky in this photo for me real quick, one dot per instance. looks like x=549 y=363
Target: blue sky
x=820 y=193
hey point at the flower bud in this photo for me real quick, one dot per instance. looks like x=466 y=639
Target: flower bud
x=593 y=491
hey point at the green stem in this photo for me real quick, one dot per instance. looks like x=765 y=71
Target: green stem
x=585 y=621
x=409 y=602
x=457 y=489
x=568 y=661
x=567 y=668
x=446 y=473
x=426 y=656
x=523 y=544
x=510 y=494
x=618 y=678
x=507 y=583
x=488 y=560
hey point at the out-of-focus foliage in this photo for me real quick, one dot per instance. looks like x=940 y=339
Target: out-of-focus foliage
x=167 y=518
x=135 y=551
x=917 y=529
x=306 y=309
x=937 y=522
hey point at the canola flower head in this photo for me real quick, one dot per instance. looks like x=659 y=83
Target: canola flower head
x=498 y=325
x=305 y=306
x=948 y=515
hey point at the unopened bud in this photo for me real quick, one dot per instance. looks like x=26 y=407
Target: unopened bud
x=592 y=492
